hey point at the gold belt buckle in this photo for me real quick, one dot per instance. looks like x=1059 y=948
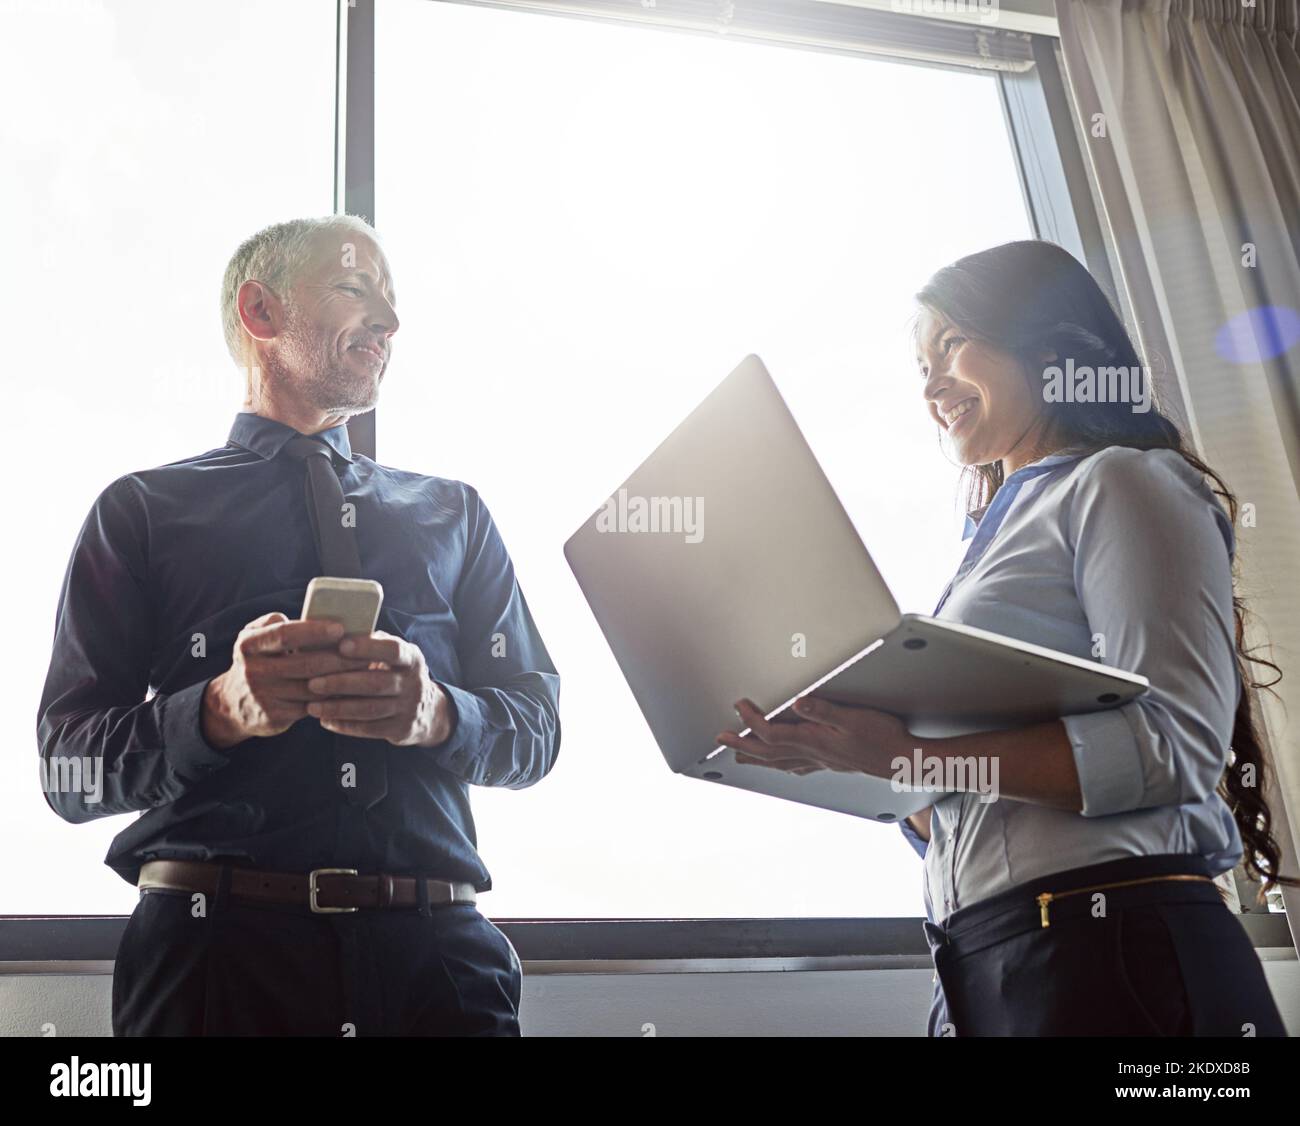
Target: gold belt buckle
x=313 y=890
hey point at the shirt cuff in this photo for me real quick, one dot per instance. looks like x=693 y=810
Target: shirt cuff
x=1108 y=760
x=467 y=733
x=188 y=753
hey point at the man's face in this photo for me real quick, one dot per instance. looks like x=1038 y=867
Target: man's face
x=338 y=320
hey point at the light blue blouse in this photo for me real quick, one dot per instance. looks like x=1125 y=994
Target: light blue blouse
x=1123 y=557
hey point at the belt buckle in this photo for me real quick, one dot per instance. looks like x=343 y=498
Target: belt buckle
x=313 y=890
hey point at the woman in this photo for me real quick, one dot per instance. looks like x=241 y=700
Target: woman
x=1082 y=901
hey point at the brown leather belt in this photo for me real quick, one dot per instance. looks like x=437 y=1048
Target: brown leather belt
x=327 y=891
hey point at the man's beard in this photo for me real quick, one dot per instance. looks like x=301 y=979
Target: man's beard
x=302 y=362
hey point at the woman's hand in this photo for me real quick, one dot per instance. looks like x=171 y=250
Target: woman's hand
x=1030 y=764
x=826 y=736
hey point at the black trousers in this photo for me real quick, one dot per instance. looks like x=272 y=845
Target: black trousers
x=271 y=970
x=1156 y=959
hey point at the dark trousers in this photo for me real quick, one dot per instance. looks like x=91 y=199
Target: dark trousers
x=1155 y=959
x=272 y=970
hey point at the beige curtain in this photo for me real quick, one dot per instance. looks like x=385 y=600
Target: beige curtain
x=1190 y=110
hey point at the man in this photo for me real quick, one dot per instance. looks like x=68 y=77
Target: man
x=306 y=853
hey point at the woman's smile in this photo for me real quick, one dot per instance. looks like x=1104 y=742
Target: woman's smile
x=962 y=415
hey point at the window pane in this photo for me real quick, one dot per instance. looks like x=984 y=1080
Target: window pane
x=143 y=142
x=590 y=225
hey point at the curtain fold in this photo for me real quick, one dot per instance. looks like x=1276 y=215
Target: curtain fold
x=1191 y=114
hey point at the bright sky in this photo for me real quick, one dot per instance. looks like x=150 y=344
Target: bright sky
x=589 y=226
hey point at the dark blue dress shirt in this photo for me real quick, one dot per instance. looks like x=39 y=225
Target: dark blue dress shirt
x=173 y=562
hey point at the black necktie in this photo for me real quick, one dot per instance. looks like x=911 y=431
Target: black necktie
x=336 y=541
x=336 y=548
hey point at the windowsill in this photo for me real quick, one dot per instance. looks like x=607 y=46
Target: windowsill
x=88 y=944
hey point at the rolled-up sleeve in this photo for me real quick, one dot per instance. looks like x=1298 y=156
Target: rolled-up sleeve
x=918 y=842
x=507 y=725
x=1153 y=571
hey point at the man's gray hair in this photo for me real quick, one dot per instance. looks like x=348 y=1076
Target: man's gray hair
x=276 y=255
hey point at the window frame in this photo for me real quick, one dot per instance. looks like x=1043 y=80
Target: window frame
x=1059 y=197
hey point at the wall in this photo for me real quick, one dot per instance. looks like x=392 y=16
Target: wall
x=877 y=1002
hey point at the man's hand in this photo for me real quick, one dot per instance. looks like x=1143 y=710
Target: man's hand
x=264 y=692
x=392 y=699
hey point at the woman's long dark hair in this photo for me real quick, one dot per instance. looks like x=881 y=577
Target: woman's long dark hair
x=1032 y=298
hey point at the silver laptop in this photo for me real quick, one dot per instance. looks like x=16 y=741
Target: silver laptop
x=725 y=566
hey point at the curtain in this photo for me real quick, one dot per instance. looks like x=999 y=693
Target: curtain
x=1190 y=113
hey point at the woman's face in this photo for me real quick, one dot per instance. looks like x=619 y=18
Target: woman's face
x=979 y=396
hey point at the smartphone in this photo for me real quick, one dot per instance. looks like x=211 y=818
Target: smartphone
x=354 y=602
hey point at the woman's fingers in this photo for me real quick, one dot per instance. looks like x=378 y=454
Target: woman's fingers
x=789 y=765
x=753 y=746
x=836 y=716
x=755 y=721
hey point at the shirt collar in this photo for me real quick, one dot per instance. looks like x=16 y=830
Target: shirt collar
x=974 y=517
x=1073 y=453
x=266 y=437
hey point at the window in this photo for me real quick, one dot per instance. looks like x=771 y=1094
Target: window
x=144 y=141
x=590 y=225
